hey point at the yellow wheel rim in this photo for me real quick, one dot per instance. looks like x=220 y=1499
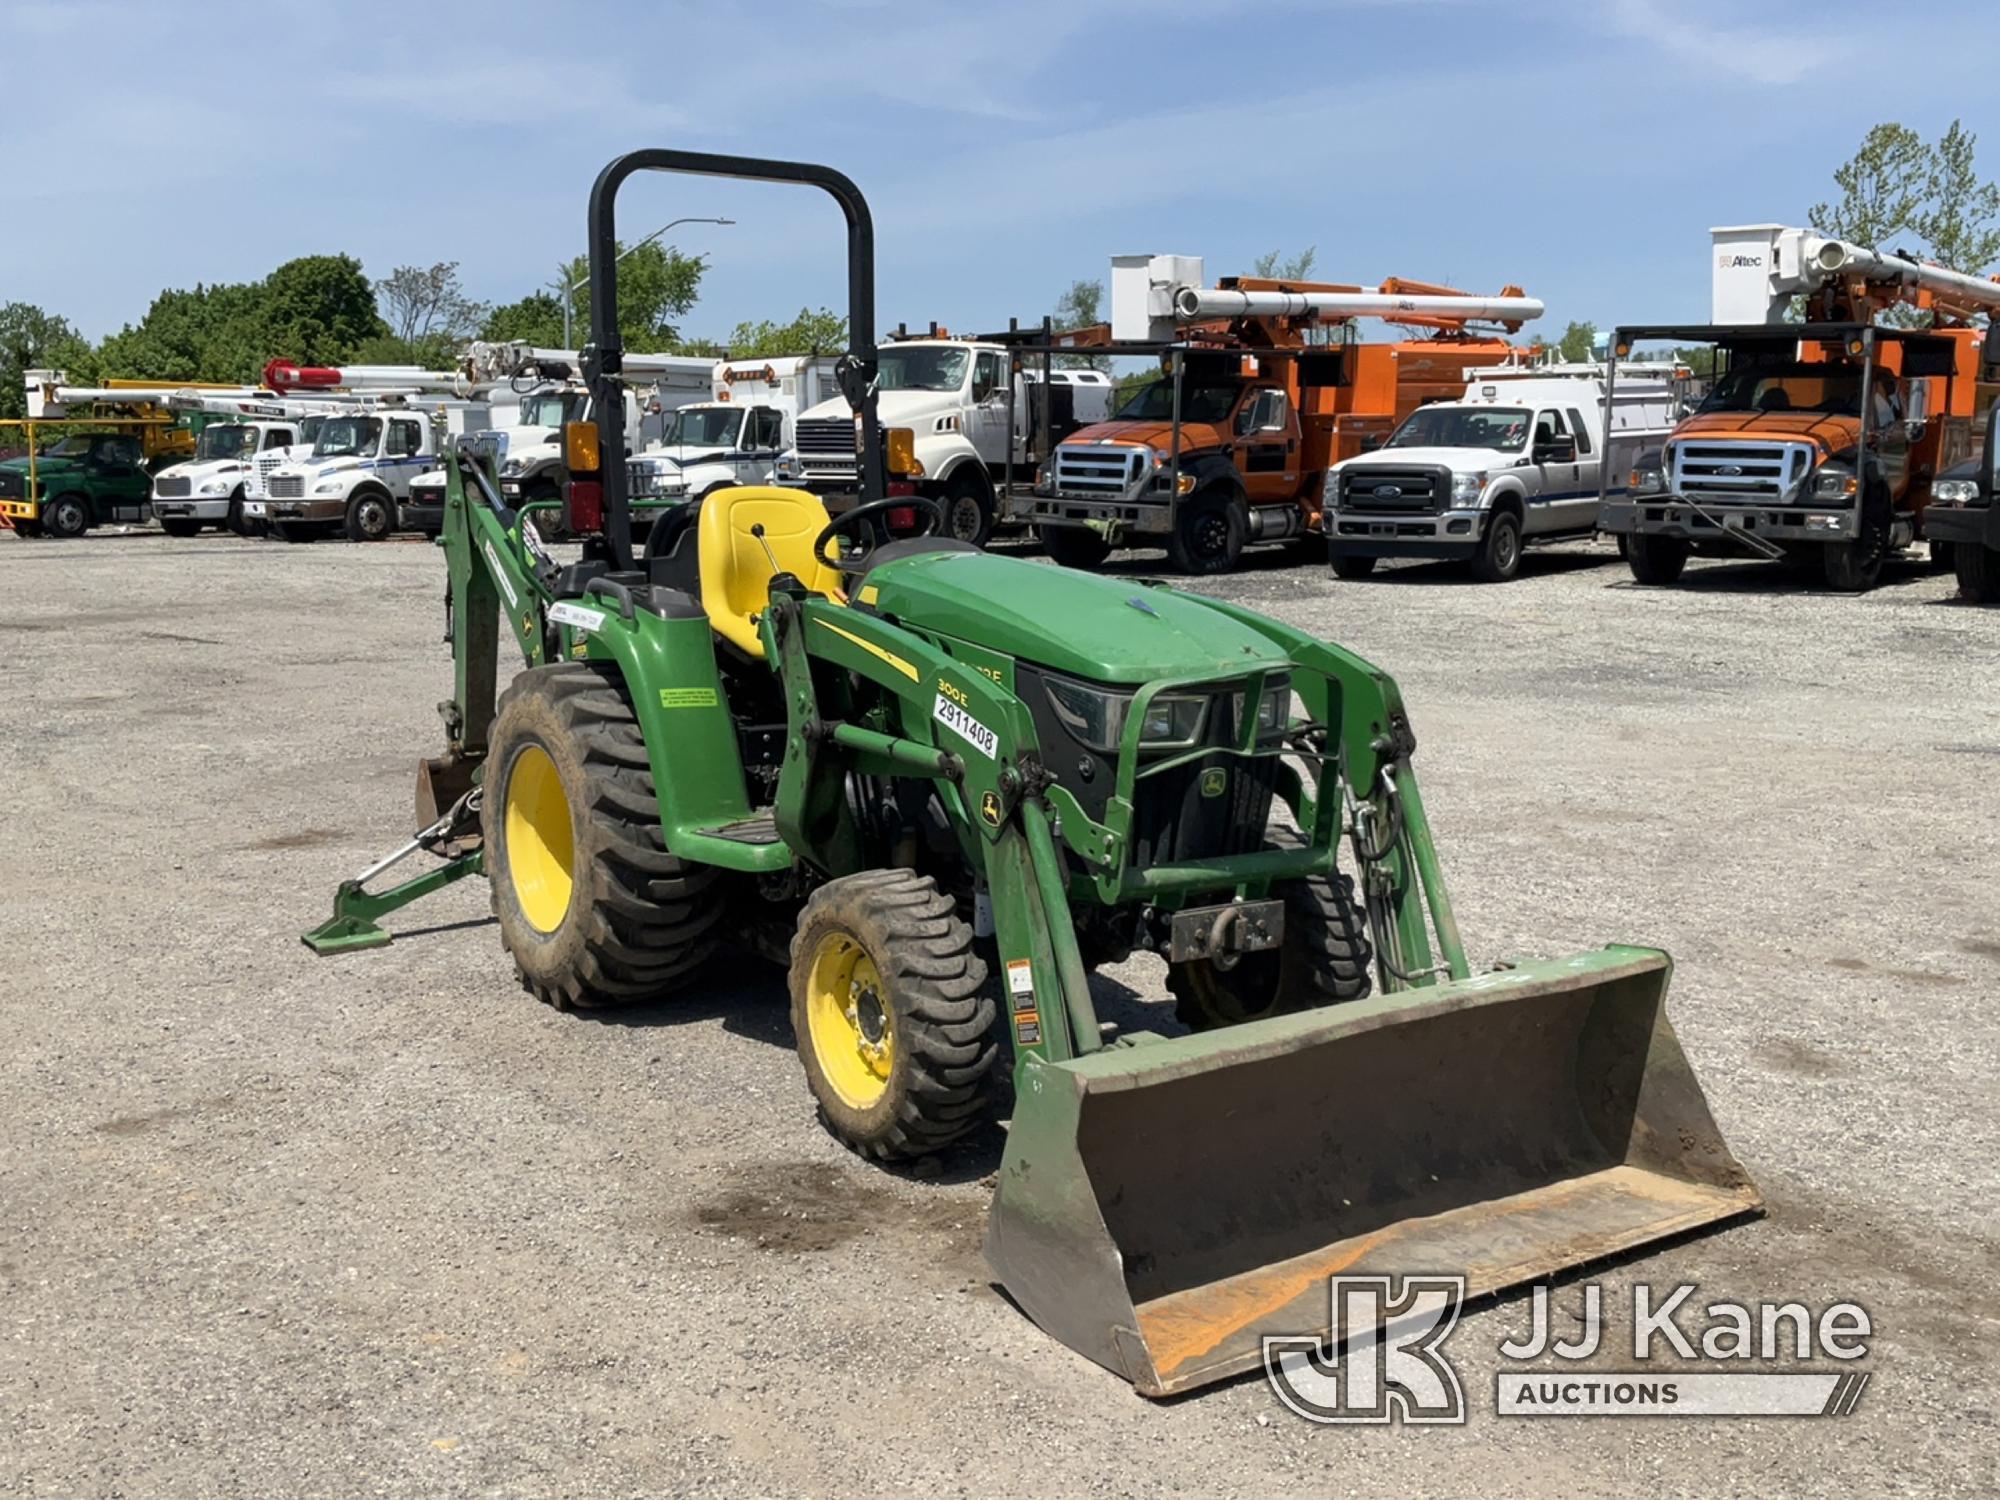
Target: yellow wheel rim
x=848 y=1021
x=541 y=844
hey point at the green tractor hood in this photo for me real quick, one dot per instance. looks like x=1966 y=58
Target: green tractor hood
x=1104 y=629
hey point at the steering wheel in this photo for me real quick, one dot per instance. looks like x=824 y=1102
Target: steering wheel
x=875 y=512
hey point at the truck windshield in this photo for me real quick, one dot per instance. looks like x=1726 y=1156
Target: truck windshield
x=309 y=429
x=1500 y=427
x=343 y=437
x=1154 y=402
x=1788 y=385
x=225 y=442
x=552 y=409
x=74 y=446
x=922 y=368
x=703 y=427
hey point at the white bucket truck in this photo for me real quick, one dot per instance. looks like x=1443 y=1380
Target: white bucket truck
x=1512 y=463
x=738 y=437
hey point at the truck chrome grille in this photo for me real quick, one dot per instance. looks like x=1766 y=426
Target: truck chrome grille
x=288 y=487
x=173 y=487
x=828 y=443
x=1403 y=488
x=1108 y=469
x=1744 y=473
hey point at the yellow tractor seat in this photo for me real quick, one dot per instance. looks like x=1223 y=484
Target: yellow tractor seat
x=736 y=570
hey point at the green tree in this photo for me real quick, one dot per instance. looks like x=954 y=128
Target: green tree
x=1079 y=308
x=1881 y=188
x=536 y=319
x=429 y=316
x=821 y=332
x=1960 y=212
x=318 y=309
x=31 y=339
x=1578 y=342
x=1274 y=267
x=657 y=285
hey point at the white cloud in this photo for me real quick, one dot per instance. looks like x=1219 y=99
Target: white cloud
x=1693 y=34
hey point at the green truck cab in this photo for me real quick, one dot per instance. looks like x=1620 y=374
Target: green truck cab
x=81 y=480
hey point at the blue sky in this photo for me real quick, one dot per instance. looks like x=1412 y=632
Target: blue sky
x=1579 y=148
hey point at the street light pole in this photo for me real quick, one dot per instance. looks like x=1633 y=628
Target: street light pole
x=568 y=292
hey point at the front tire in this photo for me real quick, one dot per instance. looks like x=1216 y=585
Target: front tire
x=1852 y=567
x=592 y=907
x=1075 y=546
x=66 y=516
x=1208 y=537
x=180 y=526
x=1347 y=565
x=893 y=1027
x=371 y=516
x=1978 y=571
x=968 y=509
x=1656 y=560
x=1499 y=556
x=1323 y=960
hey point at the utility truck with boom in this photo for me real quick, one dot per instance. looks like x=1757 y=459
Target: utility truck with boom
x=940 y=786
x=739 y=437
x=1262 y=391
x=1819 y=439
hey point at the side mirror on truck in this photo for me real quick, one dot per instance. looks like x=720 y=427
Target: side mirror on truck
x=1556 y=450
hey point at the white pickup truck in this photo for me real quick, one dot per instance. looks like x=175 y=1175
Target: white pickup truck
x=1512 y=463
x=209 y=489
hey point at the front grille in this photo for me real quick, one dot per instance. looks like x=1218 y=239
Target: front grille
x=828 y=443
x=172 y=488
x=12 y=484
x=1097 y=468
x=1740 y=473
x=1394 y=488
x=1172 y=822
x=288 y=487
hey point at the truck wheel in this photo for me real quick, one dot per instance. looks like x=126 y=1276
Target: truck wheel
x=1075 y=546
x=67 y=516
x=1208 y=534
x=968 y=510
x=1499 y=556
x=1852 y=567
x=1941 y=556
x=894 y=1031
x=1978 y=570
x=239 y=523
x=1322 y=961
x=29 y=530
x=1347 y=565
x=1655 y=559
x=180 y=526
x=592 y=907
x=371 y=516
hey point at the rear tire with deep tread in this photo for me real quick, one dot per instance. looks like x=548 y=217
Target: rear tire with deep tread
x=1323 y=960
x=943 y=1045
x=639 y=920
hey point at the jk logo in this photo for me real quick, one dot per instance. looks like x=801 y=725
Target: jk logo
x=1383 y=1360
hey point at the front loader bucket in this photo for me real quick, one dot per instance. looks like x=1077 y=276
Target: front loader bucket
x=1163 y=1206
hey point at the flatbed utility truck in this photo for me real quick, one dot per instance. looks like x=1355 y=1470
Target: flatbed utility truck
x=1819 y=439
x=939 y=785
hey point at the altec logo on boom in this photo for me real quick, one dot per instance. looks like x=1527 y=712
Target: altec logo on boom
x=1385 y=1361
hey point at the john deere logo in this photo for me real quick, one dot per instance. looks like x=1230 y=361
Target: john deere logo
x=989 y=808
x=1214 y=782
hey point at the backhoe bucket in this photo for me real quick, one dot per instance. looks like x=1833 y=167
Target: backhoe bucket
x=1162 y=1207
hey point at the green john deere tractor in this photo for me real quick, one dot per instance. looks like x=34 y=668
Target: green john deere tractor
x=942 y=786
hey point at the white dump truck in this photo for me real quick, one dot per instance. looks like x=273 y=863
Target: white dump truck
x=954 y=395
x=1512 y=463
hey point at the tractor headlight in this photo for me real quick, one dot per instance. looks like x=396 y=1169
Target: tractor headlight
x=1954 y=492
x=1466 y=488
x=1096 y=718
x=1274 y=709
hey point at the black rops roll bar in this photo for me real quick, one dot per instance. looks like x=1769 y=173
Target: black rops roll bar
x=604 y=358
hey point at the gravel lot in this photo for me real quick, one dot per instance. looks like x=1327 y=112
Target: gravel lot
x=281 y=1226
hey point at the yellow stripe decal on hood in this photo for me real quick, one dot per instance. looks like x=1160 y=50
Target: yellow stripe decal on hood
x=873 y=650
